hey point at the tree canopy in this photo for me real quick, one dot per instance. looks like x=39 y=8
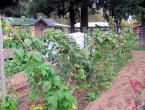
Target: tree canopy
x=76 y=9
x=11 y=8
x=61 y=8
x=6 y=3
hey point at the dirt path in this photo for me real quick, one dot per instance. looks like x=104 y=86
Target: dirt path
x=114 y=98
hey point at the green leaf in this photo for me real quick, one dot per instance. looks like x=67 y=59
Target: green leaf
x=20 y=52
x=36 y=55
x=5 y=103
x=37 y=42
x=12 y=106
x=91 y=96
x=52 y=102
x=46 y=86
x=82 y=73
x=34 y=94
x=28 y=42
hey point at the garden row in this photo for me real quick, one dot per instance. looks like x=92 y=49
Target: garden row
x=55 y=66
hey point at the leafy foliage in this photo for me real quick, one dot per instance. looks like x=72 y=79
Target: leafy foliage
x=91 y=96
x=41 y=76
x=63 y=51
x=97 y=64
x=9 y=102
x=94 y=66
x=109 y=52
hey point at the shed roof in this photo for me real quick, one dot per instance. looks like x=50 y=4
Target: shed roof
x=32 y=21
x=20 y=21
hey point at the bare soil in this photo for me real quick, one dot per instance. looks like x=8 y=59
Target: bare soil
x=120 y=90
x=80 y=95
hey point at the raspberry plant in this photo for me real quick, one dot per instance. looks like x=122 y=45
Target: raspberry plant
x=42 y=78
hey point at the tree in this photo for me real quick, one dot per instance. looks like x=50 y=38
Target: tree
x=73 y=7
x=141 y=8
x=6 y=3
x=12 y=8
x=72 y=16
x=84 y=5
x=53 y=8
x=118 y=9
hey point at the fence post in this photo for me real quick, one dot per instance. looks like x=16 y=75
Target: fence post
x=2 y=75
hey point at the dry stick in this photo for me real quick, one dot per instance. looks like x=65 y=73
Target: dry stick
x=69 y=73
x=22 y=42
x=69 y=79
x=90 y=43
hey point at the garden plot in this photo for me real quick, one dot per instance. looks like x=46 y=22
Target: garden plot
x=86 y=71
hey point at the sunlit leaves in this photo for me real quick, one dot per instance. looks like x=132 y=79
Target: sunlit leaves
x=27 y=42
x=42 y=78
x=9 y=102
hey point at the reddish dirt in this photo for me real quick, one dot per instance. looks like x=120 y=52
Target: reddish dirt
x=19 y=85
x=115 y=97
x=17 y=79
x=80 y=95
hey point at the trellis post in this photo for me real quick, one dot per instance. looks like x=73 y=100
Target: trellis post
x=2 y=75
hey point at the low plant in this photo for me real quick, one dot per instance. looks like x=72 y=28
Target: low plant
x=109 y=51
x=136 y=102
x=42 y=79
x=70 y=60
x=9 y=103
x=91 y=96
x=37 y=107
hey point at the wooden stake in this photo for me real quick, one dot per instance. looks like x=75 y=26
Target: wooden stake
x=2 y=75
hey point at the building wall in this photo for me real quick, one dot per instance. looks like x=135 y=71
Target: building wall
x=77 y=29
x=140 y=31
x=39 y=28
x=66 y=30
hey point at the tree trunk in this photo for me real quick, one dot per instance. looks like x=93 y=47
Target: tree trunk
x=84 y=18
x=143 y=23
x=72 y=18
x=143 y=18
x=117 y=25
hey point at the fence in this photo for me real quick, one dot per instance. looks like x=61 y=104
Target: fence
x=139 y=45
x=3 y=91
